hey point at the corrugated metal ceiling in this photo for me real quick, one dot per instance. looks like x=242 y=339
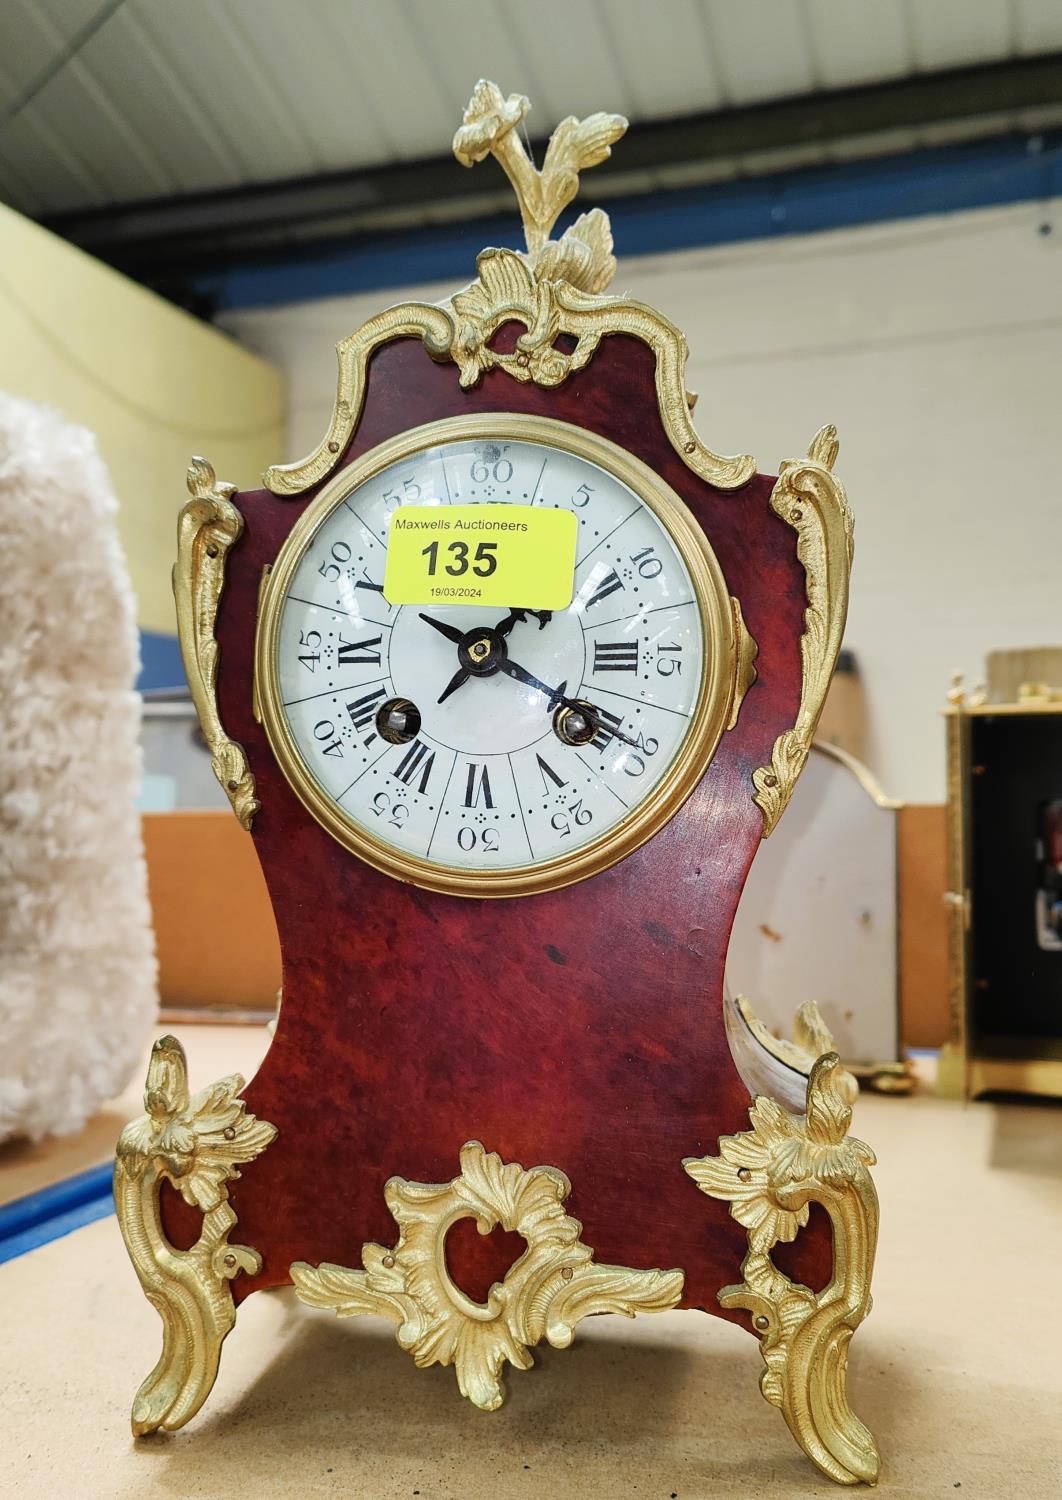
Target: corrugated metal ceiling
x=167 y=98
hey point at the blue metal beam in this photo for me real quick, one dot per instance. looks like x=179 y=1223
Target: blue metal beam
x=982 y=174
x=54 y=1211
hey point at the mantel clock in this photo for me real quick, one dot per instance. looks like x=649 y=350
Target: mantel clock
x=507 y=679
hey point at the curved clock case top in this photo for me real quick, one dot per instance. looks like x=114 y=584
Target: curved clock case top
x=554 y=1063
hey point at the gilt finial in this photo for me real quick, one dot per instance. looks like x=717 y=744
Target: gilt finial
x=583 y=255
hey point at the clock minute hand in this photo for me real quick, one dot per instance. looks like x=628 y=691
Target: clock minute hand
x=555 y=695
x=558 y=699
x=595 y=715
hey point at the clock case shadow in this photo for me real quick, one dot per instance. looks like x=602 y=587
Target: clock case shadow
x=619 y=1415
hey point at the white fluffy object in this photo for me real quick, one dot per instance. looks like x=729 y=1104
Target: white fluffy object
x=77 y=966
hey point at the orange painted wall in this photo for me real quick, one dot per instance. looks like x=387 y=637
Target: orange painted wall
x=218 y=949
x=923 y=926
x=217 y=942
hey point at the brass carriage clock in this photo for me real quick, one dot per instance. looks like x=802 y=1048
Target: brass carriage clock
x=507 y=679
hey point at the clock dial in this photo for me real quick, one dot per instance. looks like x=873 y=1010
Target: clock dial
x=464 y=739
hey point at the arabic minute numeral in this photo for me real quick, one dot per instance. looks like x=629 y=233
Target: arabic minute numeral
x=615 y=656
x=331 y=568
x=647 y=562
x=582 y=496
x=324 y=732
x=634 y=765
x=501 y=471
x=562 y=822
x=396 y=813
x=310 y=640
x=489 y=839
x=667 y=666
x=411 y=493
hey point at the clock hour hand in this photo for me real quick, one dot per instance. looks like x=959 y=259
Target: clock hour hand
x=451 y=632
x=543 y=616
x=460 y=676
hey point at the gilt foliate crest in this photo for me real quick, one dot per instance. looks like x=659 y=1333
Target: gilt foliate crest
x=554 y=287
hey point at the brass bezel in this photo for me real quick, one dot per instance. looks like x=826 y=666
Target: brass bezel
x=718 y=677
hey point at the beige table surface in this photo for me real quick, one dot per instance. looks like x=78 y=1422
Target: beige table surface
x=958 y=1371
x=213 y=1052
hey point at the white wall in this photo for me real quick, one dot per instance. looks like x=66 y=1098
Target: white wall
x=935 y=345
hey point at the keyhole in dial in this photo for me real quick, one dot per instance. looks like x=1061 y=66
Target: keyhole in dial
x=398 y=721
x=574 y=724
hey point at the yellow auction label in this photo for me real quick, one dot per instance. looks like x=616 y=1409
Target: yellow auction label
x=512 y=556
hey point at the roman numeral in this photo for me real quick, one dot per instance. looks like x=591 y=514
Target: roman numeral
x=615 y=656
x=363 y=714
x=418 y=759
x=548 y=774
x=608 y=585
x=603 y=738
x=365 y=582
x=478 y=784
x=351 y=652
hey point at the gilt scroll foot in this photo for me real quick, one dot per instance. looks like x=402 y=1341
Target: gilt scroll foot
x=770 y=1175
x=196 y=1143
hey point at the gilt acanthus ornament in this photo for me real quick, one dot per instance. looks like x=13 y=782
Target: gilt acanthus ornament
x=770 y=1175
x=812 y=500
x=553 y=1285
x=583 y=255
x=528 y=286
x=207 y=527
x=197 y=1144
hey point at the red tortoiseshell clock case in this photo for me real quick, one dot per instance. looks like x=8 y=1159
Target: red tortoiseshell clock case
x=579 y=1032
x=582 y=1028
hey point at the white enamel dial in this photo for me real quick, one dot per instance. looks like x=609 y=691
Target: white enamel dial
x=486 y=779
